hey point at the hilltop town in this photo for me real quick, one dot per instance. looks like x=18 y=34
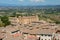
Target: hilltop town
x=30 y=28
x=29 y=19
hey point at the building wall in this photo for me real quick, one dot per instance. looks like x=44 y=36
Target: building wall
x=28 y=19
x=45 y=38
x=13 y=20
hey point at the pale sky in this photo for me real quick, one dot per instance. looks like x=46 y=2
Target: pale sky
x=29 y=2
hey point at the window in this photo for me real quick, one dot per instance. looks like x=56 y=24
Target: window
x=30 y=26
x=45 y=39
x=45 y=35
x=37 y=27
x=49 y=39
x=25 y=33
x=31 y=29
x=41 y=34
x=41 y=39
x=49 y=35
x=0 y=39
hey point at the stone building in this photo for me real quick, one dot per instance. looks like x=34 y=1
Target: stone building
x=38 y=31
x=14 y=20
x=31 y=29
x=28 y=19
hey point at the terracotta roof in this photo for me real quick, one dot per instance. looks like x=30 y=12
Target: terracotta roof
x=11 y=28
x=37 y=30
x=1 y=32
x=58 y=28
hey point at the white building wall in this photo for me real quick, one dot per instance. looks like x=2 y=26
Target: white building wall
x=45 y=38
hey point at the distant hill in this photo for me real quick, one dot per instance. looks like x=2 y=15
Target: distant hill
x=31 y=7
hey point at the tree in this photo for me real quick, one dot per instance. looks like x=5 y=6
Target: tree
x=14 y=14
x=5 y=20
x=1 y=24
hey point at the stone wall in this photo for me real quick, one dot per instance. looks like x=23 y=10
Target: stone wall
x=28 y=19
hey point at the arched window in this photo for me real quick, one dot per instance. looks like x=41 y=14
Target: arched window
x=41 y=39
x=0 y=39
